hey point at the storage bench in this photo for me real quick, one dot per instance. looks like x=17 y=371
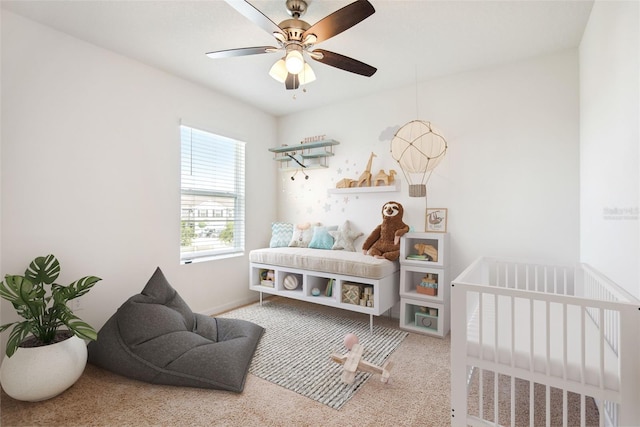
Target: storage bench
x=347 y=280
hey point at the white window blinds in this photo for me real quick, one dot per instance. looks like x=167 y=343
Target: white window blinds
x=212 y=195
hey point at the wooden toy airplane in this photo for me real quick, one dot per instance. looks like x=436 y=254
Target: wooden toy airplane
x=353 y=362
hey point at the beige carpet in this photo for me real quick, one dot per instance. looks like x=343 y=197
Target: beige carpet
x=417 y=395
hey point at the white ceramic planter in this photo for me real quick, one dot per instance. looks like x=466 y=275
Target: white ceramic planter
x=40 y=373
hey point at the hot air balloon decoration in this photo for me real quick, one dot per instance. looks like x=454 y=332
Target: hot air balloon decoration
x=418 y=147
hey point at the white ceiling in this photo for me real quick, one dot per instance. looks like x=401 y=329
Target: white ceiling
x=407 y=41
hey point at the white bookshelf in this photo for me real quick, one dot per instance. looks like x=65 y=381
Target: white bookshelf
x=421 y=312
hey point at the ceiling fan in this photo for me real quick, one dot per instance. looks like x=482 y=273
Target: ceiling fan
x=296 y=37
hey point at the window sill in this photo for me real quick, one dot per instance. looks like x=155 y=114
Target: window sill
x=210 y=258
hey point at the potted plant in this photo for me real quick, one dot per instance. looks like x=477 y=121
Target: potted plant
x=49 y=330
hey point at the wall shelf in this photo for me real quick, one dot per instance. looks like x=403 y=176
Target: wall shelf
x=372 y=189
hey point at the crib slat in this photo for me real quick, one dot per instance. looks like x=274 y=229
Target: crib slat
x=506 y=275
x=481 y=351
x=513 y=332
x=601 y=345
x=583 y=314
x=583 y=410
x=548 y=335
x=481 y=392
x=480 y=324
x=531 y=403
x=513 y=401
x=496 y=356
x=496 y=322
x=545 y=286
x=531 y=354
x=565 y=337
x=495 y=397
x=565 y=411
x=548 y=405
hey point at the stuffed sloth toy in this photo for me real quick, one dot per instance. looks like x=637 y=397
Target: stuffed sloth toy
x=384 y=241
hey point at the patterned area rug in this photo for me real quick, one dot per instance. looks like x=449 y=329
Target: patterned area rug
x=299 y=337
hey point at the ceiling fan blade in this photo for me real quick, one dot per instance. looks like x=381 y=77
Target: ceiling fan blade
x=255 y=16
x=243 y=51
x=343 y=62
x=292 y=81
x=340 y=20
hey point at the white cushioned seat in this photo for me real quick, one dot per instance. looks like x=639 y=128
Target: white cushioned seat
x=328 y=261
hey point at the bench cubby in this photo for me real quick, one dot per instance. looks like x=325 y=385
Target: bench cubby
x=385 y=291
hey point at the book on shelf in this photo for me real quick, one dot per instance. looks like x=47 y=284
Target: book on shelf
x=329 y=290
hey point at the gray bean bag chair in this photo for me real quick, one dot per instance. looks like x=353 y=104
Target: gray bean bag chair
x=155 y=337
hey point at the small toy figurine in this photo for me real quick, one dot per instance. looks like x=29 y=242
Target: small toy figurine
x=352 y=361
x=428 y=250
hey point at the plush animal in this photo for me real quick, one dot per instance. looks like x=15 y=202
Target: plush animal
x=384 y=241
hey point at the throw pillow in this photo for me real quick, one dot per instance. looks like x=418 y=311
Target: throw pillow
x=321 y=238
x=281 y=233
x=302 y=235
x=344 y=237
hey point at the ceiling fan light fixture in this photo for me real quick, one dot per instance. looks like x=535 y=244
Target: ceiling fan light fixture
x=310 y=39
x=294 y=61
x=306 y=75
x=279 y=71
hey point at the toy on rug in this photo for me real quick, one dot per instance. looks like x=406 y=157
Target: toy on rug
x=353 y=362
x=384 y=241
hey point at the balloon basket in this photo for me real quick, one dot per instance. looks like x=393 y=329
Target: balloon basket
x=417 y=190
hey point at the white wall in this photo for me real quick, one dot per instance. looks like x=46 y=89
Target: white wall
x=509 y=179
x=609 y=133
x=90 y=170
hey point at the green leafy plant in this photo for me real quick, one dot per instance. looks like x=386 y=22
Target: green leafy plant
x=45 y=310
x=226 y=235
x=187 y=233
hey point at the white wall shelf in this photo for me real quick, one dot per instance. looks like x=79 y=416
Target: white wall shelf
x=297 y=167
x=372 y=189
x=308 y=155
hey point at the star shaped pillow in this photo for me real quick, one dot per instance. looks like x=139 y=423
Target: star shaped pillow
x=344 y=237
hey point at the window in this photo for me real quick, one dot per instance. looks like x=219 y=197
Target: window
x=212 y=195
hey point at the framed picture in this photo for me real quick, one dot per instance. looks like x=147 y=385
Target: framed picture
x=436 y=221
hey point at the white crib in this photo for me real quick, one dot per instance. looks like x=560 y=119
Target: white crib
x=536 y=343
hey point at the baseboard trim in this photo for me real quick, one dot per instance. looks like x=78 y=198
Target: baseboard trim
x=230 y=306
